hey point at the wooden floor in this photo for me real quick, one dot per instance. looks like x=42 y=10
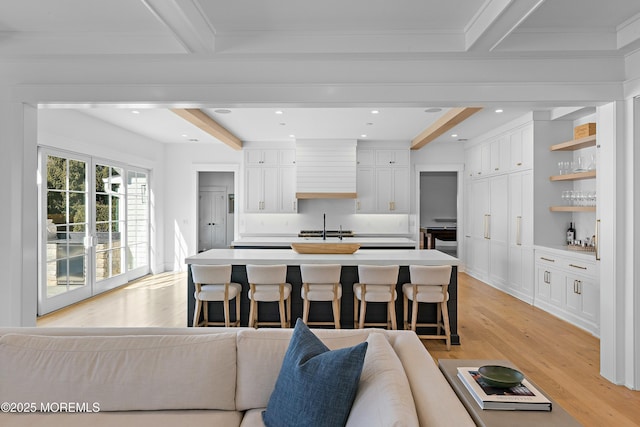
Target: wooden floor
x=560 y=358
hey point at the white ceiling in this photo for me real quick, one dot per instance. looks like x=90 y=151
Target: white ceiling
x=242 y=29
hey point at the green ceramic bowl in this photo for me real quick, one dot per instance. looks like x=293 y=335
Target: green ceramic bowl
x=500 y=376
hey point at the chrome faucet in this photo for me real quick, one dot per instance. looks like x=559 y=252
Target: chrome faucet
x=324 y=226
x=340 y=233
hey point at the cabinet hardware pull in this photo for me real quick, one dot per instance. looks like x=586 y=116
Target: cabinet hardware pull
x=486 y=226
x=496 y=169
x=577 y=266
x=519 y=164
x=598 y=240
x=547 y=277
x=575 y=286
x=579 y=287
x=358 y=205
x=519 y=230
x=548 y=259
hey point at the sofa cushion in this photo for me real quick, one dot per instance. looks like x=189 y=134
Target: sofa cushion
x=384 y=396
x=260 y=355
x=121 y=373
x=316 y=386
x=191 y=417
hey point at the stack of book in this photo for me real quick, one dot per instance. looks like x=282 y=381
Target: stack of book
x=523 y=397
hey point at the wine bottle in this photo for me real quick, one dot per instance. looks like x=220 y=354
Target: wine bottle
x=571 y=234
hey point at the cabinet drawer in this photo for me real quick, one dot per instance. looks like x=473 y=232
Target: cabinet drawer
x=568 y=263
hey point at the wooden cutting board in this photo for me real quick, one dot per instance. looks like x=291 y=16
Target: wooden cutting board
x=325 y=248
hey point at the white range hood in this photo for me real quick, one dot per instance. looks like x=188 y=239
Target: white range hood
x=326 y=169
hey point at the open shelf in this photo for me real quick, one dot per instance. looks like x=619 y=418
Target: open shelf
x=574 y=176
x=572 y=208
x=575 y=144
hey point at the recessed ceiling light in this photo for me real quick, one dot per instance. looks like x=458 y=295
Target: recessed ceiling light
x=193 y=139
x=282 y=124
x=433 y=110
x=222 y=111
x=184 y=135
x=279 y=112
x=374 y=111
x=462 y=139
x=454 y=135
x=499 y=110
x=363 y=135
x=369 y=124
x=135 y=112
x=292 y=136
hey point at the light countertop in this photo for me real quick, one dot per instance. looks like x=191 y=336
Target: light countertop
x=290 y=257
x=363 y=241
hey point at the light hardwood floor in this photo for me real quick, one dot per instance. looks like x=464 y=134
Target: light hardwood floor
x=560 y=358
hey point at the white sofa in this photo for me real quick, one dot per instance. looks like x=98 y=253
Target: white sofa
x=202 y=376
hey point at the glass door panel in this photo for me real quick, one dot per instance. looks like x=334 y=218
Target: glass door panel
x=94 y=228
x=137 y=221
x=64 y=275
x=109 y=214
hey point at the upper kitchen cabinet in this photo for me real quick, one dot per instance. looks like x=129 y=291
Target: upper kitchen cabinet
x=392 y=157
x=270 y=181
x=521 y=148
x=255 y=157
x=506 y=152
x=383 y=181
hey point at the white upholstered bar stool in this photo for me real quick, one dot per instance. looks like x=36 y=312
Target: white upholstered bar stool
x=429 y=284
x=377 y=283
x=321 y=282
x=267 y=283
x=213 y=283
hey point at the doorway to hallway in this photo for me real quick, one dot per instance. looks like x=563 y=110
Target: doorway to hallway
x=216 y=209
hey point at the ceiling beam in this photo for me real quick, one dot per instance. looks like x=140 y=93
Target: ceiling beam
x=496 y=21
x=198 y=117
x=448 y=121
x=628 y=33
x=187 y=22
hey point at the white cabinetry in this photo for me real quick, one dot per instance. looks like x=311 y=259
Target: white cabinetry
x=567 y=287
x=270 y=181
x=383 y=181
x=521 y=273
x=500 y=207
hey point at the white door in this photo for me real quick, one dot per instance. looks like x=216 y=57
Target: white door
x=212 y=220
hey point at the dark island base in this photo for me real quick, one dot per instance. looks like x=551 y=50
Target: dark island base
x=321 y=311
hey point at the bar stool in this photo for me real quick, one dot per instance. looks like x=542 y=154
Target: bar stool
x=267 y=283
x=213 y=283
x=377 y=284
x=321 y=282
x=429 y=284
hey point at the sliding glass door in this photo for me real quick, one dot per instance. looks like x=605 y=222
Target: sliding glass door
x=94 y=227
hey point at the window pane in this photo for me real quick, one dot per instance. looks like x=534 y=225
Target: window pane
x=77 y=208
x=116 y=262
x=57 y=207
x=102 y=178
x=116 y=207
x=77 y=175
x=56 y=173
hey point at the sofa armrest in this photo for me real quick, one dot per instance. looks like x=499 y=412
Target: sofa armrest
x=436 y=402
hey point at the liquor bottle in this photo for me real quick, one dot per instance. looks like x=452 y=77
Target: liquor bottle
x=571 y=234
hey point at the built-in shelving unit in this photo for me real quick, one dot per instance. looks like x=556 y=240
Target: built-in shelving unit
x=572 y=208
x=575 y=144
x=574 y=176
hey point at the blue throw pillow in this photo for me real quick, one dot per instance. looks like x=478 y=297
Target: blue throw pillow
x=316 y=387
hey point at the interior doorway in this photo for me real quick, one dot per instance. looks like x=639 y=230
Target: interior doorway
x=439 y=211
x=216 y=208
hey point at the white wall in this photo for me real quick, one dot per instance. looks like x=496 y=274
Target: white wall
x=181 y=192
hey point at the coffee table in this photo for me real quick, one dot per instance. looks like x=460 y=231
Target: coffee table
x=492 y=418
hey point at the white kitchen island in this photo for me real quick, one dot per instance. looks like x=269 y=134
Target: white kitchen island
x=239 y=258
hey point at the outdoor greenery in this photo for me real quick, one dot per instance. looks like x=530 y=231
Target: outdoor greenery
x=59 y=190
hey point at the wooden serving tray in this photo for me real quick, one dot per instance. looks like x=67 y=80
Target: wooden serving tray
x=325 y=248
